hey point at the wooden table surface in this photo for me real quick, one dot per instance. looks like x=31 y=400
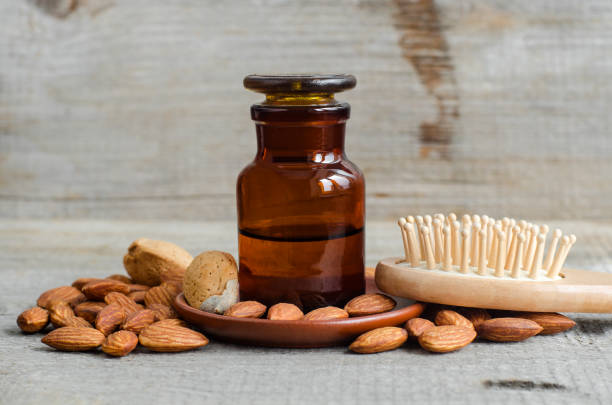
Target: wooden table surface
x=573 y=367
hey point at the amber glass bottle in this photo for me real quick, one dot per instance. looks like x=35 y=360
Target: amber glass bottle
x=301 y=201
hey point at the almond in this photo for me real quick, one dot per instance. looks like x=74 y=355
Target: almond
x=475 y=315
x=416 y=326
x=68 y=294
x=97 y=290
x=147 y=259
x=368 y=304
x=138 y=287
x=448 y=317
x=80 y=282
x=325 y=314
x=33 y=320
x=508 y=329
x=120 y=343
x=246 y=309
x=137 y=321
x=128 y=304
x=285 y=312
x=109 y=318
x=88 y=310
x=165 y=337
x=60 y=313
x=379 y=340
x=551 y=322
x=120 y=277
x=74 y=339
x=173 y=322
x=446 y=338
x=162 y=312
x=137 y=296
x=159 y=295
x=78 y=322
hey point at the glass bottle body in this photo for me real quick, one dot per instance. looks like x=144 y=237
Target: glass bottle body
x=301 y=210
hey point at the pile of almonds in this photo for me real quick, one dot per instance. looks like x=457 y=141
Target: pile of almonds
x=119 y=312
x=446 y=329
x=113 y=313
x=366 y=304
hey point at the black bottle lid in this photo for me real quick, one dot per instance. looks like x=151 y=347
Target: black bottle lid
x=299 y=83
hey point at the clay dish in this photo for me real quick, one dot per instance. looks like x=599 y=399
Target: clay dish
x=297 y=334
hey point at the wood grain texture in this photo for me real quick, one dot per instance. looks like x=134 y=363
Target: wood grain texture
x=136 y=109
x=36 y=255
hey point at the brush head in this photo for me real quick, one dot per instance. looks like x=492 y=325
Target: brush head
x=484 y=263
x=483 y=246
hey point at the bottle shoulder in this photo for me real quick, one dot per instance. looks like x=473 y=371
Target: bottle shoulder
x=307 y=170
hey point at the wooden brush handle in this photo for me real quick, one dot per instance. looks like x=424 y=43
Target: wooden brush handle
x=577 y=291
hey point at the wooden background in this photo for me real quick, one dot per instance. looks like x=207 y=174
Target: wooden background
x=135 y=109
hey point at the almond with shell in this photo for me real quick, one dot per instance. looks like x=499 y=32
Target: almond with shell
x=416 y=326
x=446 y=338
x=508 y=329
x=120 y=277
x=120 y=343
x=369 y=304
x=68 y=294
x=88 y=310
x=137 y=321
x=165 y=337
x=449 y=317
x=97 y=290
x=109 y=318
x=284 y=312
x=326 y=314
x=147 y=259
x=379 y=340
x=246 y=309
x=33 y=320
x=74 y=339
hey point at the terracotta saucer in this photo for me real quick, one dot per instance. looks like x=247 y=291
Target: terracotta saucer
x=304 y=334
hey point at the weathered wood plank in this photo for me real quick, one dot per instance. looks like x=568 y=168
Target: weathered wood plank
x=136 y=109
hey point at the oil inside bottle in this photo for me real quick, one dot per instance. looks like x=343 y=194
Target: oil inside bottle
x=309 y=271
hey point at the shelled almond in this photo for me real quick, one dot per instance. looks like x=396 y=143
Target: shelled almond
x=326 y=314
x=369 y=304
x=246 y=309
x=33 y=320
x=120 y=343
x=416 y=326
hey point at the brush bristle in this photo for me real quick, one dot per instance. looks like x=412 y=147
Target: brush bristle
x=511 y=248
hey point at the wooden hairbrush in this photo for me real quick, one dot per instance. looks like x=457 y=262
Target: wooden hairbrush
x=484 y=263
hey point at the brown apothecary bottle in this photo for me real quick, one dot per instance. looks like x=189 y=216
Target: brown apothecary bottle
x=301 y=201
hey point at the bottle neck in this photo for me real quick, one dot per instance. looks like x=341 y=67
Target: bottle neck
x=309 y=133
x=297 y=143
